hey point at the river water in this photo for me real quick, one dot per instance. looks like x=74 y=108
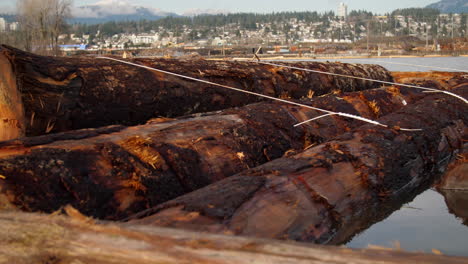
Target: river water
x=426 y=223
x=415 y=64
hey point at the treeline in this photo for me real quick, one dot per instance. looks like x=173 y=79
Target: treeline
x=246 y=21
x=242 y=20
x=417 y=13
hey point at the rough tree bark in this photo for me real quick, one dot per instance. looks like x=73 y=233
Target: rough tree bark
x=432 y=79
x=114 y=172
x=60 y=94
x=328 y=193
x=34 y=238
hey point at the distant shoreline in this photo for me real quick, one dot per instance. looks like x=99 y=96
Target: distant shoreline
x=290 y=58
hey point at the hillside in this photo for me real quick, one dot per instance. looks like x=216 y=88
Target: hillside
x=451 y=6
x=115 y=10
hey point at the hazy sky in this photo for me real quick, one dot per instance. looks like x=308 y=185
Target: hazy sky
x=179 y=6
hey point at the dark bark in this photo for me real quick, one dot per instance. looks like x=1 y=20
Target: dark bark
x=328 y=193
x=34 y=238
x=60 y=94
x=114 y=172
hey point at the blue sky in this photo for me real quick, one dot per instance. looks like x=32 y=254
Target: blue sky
x=179 y=6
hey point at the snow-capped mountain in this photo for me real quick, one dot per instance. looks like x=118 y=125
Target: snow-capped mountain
x=115 y=10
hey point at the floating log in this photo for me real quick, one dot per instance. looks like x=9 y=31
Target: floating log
x=34 y=238
x=456 y=177
x=114 y=172
x=60 y=94
x=432 y=79
x=332 y=191
x=454 y=184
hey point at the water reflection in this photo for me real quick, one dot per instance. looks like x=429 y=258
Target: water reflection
x=414 y=64
x=457 y=203
x=422 y=225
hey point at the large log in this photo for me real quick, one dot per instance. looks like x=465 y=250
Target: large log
x=457 y=203
x=432 y=79
x=328 y=193
x=456 y=177
x=114 y=172
x=34 y=238
x=60 y=94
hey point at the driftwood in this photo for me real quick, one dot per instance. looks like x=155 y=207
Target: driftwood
x=34 y=238
x=328 y=193
x=114 y=172
x=60 y=94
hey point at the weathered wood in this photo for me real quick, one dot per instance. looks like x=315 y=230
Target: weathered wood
x=328 y=193
x=114 y=172
x=11 y=108
x=34 y=238
x=60 y=94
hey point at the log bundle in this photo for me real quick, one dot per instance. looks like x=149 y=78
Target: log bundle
x=34 y=238
x=328 y=193
x=114 y=172
x=40 y=95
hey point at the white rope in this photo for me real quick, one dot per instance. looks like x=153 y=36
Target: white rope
x=365 y=79
x=258 y=94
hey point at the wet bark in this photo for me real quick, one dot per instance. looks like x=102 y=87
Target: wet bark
x=113 y=172
x=456 y=177
x=34 y=238
x=330 y=192
x=457 y=203
x=60 y=94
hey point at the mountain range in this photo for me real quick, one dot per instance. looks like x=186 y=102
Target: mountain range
x=118 y=10
x=451 y=6
x=124 y=10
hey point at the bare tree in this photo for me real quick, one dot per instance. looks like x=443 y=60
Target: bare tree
x=42 y=22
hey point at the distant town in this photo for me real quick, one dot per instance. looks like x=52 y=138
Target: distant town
x=421 y=30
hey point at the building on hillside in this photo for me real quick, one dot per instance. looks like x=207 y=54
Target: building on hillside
x=2 y=24
x=343 y=10
x=14 y=26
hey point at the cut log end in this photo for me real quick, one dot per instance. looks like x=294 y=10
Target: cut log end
x=11 y=108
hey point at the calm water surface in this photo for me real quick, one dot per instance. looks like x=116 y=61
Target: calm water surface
x=418 y=64
x=425 y=223
x=422 y=225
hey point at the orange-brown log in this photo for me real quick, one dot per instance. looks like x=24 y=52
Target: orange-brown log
x=60 y=94
x=330 y=192
x=114 y=172
x=34 y=238
x=432 y=79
